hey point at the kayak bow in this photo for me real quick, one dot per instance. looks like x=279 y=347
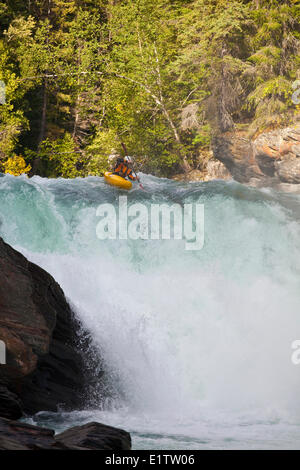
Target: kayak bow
x=115 y=180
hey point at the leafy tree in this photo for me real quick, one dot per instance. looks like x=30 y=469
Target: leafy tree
x=16 y=166
x=164 y=76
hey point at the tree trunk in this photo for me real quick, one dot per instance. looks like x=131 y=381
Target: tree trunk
x=75 y=120
x=184 y=164
x=224 y=118
x=44 y=114
x=183 y=160
x=42 y=133
x=76 y=117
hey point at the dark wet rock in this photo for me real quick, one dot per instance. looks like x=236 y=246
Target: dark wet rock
x=15 y=435
x=95 y=436
x=10 y=404
x=43 y=368
x=20 y=436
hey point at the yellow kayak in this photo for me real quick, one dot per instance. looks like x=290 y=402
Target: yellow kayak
x=116 y=180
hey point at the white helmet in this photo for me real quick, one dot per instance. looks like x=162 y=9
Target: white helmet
x=128 y=159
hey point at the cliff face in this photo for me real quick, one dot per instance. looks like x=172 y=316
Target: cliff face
x=43 y=367
x=272 y=159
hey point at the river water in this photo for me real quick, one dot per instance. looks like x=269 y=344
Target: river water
x=196 y=345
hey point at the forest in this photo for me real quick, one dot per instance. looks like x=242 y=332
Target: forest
x=78 y=78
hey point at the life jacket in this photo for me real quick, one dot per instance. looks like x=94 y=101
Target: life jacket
x=123 y=170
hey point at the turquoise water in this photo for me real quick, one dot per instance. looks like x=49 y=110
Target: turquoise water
x=196 y=344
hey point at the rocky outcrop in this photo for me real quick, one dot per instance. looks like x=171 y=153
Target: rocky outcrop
x=10 y=404
x=20 y=436
x=43 y=368
x=92 y=436
x=216 y=170
x=213 y=169
x=272 y=159
x=95 y=436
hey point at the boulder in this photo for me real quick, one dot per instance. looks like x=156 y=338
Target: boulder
x=20 y=436
x=43 y=367
x=271 y=159
x=15 y=435
x=216 y=170
x=95 y=436
x=236 y=152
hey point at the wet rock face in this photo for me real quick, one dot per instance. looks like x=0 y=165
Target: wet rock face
x=92 y=436
x=95 y=436
x=10 y=404
x=272 y=159
x=43 y=368
x=20 y=436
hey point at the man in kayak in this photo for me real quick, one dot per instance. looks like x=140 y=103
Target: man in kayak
x=123 y=168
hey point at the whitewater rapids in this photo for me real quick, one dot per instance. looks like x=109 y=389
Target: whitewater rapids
x=196 y=345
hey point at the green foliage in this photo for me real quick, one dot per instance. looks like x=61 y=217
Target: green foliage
x=12 y=120
x=271 y=102
x=99 y=151
x=82 y=76
x=16 y=166
x=59 y=157
x=269 y=55
x=203 y=137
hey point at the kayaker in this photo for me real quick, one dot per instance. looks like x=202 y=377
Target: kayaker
x=123 y=167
